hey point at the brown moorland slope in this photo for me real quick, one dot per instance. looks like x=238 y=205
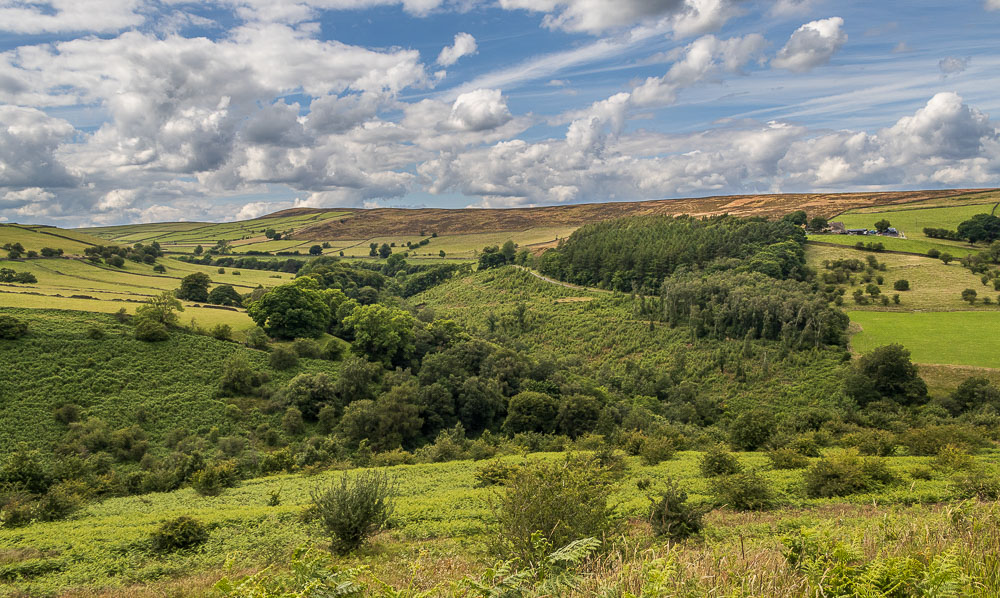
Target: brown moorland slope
x=367 y=223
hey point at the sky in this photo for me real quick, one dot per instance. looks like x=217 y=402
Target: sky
x=124 y=111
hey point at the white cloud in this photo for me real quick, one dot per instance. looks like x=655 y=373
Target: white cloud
x=992 y=4
x=952 y=65
x=689 y=17
x=57 y=16
x=480 y=110
x=465 y=44
x=811 y=45
x=28 y=142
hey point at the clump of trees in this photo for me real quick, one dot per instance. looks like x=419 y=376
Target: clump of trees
x=10 y=275
x=641 y=252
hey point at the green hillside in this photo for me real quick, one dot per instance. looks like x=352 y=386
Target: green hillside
x=34 y=238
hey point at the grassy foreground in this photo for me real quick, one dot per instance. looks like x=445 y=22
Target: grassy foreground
x=443 y=524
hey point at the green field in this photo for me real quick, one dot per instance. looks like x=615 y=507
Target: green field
x=955 y=338
x=34 y=238
x=102 y=288
x=912 y=221
x=919 y=246
x=934 y=286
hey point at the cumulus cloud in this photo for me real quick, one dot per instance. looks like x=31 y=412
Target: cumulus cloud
x=480 y=110
x=992 y=4
x=58 y=16
x=811 y=45
x=28 y=142
x=952 y=65
x=784 y=8
x=465 y=44
x=946 y=142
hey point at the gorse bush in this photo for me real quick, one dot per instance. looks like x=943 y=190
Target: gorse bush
x=846 y=474
x=178 y=534
x=671 y=515
x=718 y=461
x=562 y=501
x=744 y=491
x=354 y=508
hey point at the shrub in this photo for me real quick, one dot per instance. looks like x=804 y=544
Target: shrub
x=11 y=328
x=930 y=440
x=786 y=458
x=556 y=501
x=307 y=348
x=283 y=358
x=213 y=479
x=292 y=422
x=901 y=285
x=671 y=515
x=656 y=450
x=744 y=491
x=977 y=483
x=354 y=508
x=257 y=338
x=238 y=378
x=150 y=330
x=933 y=253
x=222 y=332
x=954 y=458
x=495 y=472
x=717 y=461
x=752 y=429
x=877 y=443
x=178 y=534
x=333 y=350
x=847 y=473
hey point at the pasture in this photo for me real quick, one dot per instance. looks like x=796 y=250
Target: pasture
x=967 y=338
x=34 y=238
x=933 y=285
x=914 y=218
x=80 y=285
x=917 y=246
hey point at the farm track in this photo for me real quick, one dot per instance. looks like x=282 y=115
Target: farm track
x=559 y=282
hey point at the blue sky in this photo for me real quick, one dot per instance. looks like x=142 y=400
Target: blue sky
x=115 y=111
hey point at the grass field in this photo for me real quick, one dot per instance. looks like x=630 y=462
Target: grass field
x=34 y=238
x=956 y=338
x=933 y=285
x=100 y=288
x=919 y=246
x=208 y=233
x=438 y=533
x=914 y=218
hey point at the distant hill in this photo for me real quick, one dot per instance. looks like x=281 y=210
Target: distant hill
x=361 y=223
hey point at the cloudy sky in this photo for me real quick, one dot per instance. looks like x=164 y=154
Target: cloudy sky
x=116 y=111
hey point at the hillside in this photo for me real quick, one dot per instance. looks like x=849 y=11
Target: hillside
x=461 y=233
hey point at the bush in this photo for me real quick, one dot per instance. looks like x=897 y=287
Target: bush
x=744 y=491
x=954 y=458
x=150 y=330
x=671 y=515
x=877 y=443
x=901 y=285
x=786 y=458
x=354 y=508
x=847 y=473
x=283 y=358
x=178 y=534
x=656 y=450
x=213 y=479
x=495 y=472
x=222 y=332
x=238 y=378
x=977 y=483
x=11 y=328
x=558 y=502
x=307 y=348
x=929 y=441
x=752 y=429
x=717 y=461
x=257 y=338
